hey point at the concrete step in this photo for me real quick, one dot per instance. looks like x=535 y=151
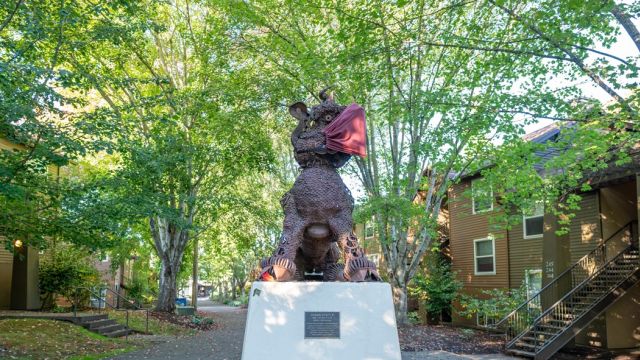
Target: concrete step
x=108 y=329
x=89 y=318
x=117 y=333
x=98 y=323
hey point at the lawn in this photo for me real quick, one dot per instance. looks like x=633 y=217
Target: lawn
x=156 y=326
x=51 y=339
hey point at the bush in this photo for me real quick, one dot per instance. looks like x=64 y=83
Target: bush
x=437 y=288
x=413 y=317
x=493 y=304
x=64 y=274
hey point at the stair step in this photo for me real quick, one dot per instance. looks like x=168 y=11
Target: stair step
x=526 y=345
x=544 y=333
x=98 y=323
x=520 y=353
x=117 y=333
x=108 y=329
x=554 y=329
x=89 y=318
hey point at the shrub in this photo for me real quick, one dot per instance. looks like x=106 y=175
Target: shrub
x=493 y=304
x=437 y=288
x=413 y=317
x=67 y=274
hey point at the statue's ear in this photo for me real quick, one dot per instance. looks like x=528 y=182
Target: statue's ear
x=299 y=111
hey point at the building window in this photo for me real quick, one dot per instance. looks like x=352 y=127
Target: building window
x=533 y=281
x=483 y=320
x=481 y=196
x=484 y=251
x=368 y=230
x=533 y=221
x=375 y=258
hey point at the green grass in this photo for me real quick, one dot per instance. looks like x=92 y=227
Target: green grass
x=51 y=339
x=156 y=327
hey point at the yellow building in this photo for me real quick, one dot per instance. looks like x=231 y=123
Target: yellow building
x=19 y=271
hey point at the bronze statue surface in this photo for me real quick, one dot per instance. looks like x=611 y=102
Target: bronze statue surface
x=318 y=242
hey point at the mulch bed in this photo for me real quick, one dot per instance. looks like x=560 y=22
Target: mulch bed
x=188 y=321
x=449 y=338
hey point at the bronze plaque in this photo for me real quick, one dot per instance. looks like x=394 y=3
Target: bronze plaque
x=321 y=325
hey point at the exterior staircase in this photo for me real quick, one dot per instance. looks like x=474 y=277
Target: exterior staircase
x=548 y=320
x=101 y=324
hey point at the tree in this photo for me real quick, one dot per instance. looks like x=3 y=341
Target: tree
x=443 y=84
x=38 y=119
x=186 y=116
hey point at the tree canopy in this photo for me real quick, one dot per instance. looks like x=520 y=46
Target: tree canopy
x=168 y=118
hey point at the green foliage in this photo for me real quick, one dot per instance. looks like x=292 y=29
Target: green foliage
x=444 y=83
x=68 y=273
x=494 y=304
x=413 y=317
x=201 y=320
x=437 y=288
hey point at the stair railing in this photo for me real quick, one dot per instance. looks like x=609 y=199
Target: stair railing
x=133 y=303
x=102 y=299
x=560 y=307
x=520 y=319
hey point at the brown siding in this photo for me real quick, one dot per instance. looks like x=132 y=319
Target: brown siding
x=466 y=227
x=6 y=268
x=524 y=254
x=5 y=256
x=584 y=230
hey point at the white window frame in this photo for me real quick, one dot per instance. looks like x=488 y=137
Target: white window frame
x=473 y=199
x=493 y=255
x=524 y=225
x=529 y=272
x=487 y=320
x=369 y=224
x=375 y=258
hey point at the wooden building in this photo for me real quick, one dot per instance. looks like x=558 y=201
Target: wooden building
x=487 y=256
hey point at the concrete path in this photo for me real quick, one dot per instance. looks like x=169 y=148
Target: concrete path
x=225 y=343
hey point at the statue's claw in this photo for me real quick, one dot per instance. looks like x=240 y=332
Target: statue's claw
x=277 y=269
x=361 y=269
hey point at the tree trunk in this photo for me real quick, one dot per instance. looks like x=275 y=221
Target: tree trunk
x=170 y=242
x=400 y=301
x=234 y=289
x=168 y=289
x=625 y=20
x=194 y=275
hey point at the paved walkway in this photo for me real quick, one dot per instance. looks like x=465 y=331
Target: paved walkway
x=225 y=343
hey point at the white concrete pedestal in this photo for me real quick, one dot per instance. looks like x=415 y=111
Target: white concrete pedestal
x=276 y=321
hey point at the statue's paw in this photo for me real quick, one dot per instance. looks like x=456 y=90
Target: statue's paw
x=267 y=275
x=277 y=269
x=334 y=272
x=361 y=269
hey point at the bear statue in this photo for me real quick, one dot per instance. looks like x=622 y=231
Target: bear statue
x=318 y=242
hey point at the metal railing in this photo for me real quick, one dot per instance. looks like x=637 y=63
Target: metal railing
x=520 y=320
x=98 y=295
x=566 y=309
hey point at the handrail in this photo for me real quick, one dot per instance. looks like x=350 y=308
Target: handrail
x=565 y=272
x=581 y=285
x=127 y=300
x=103 y=299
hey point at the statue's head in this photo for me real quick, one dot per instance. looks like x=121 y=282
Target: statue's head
x=320 y=115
